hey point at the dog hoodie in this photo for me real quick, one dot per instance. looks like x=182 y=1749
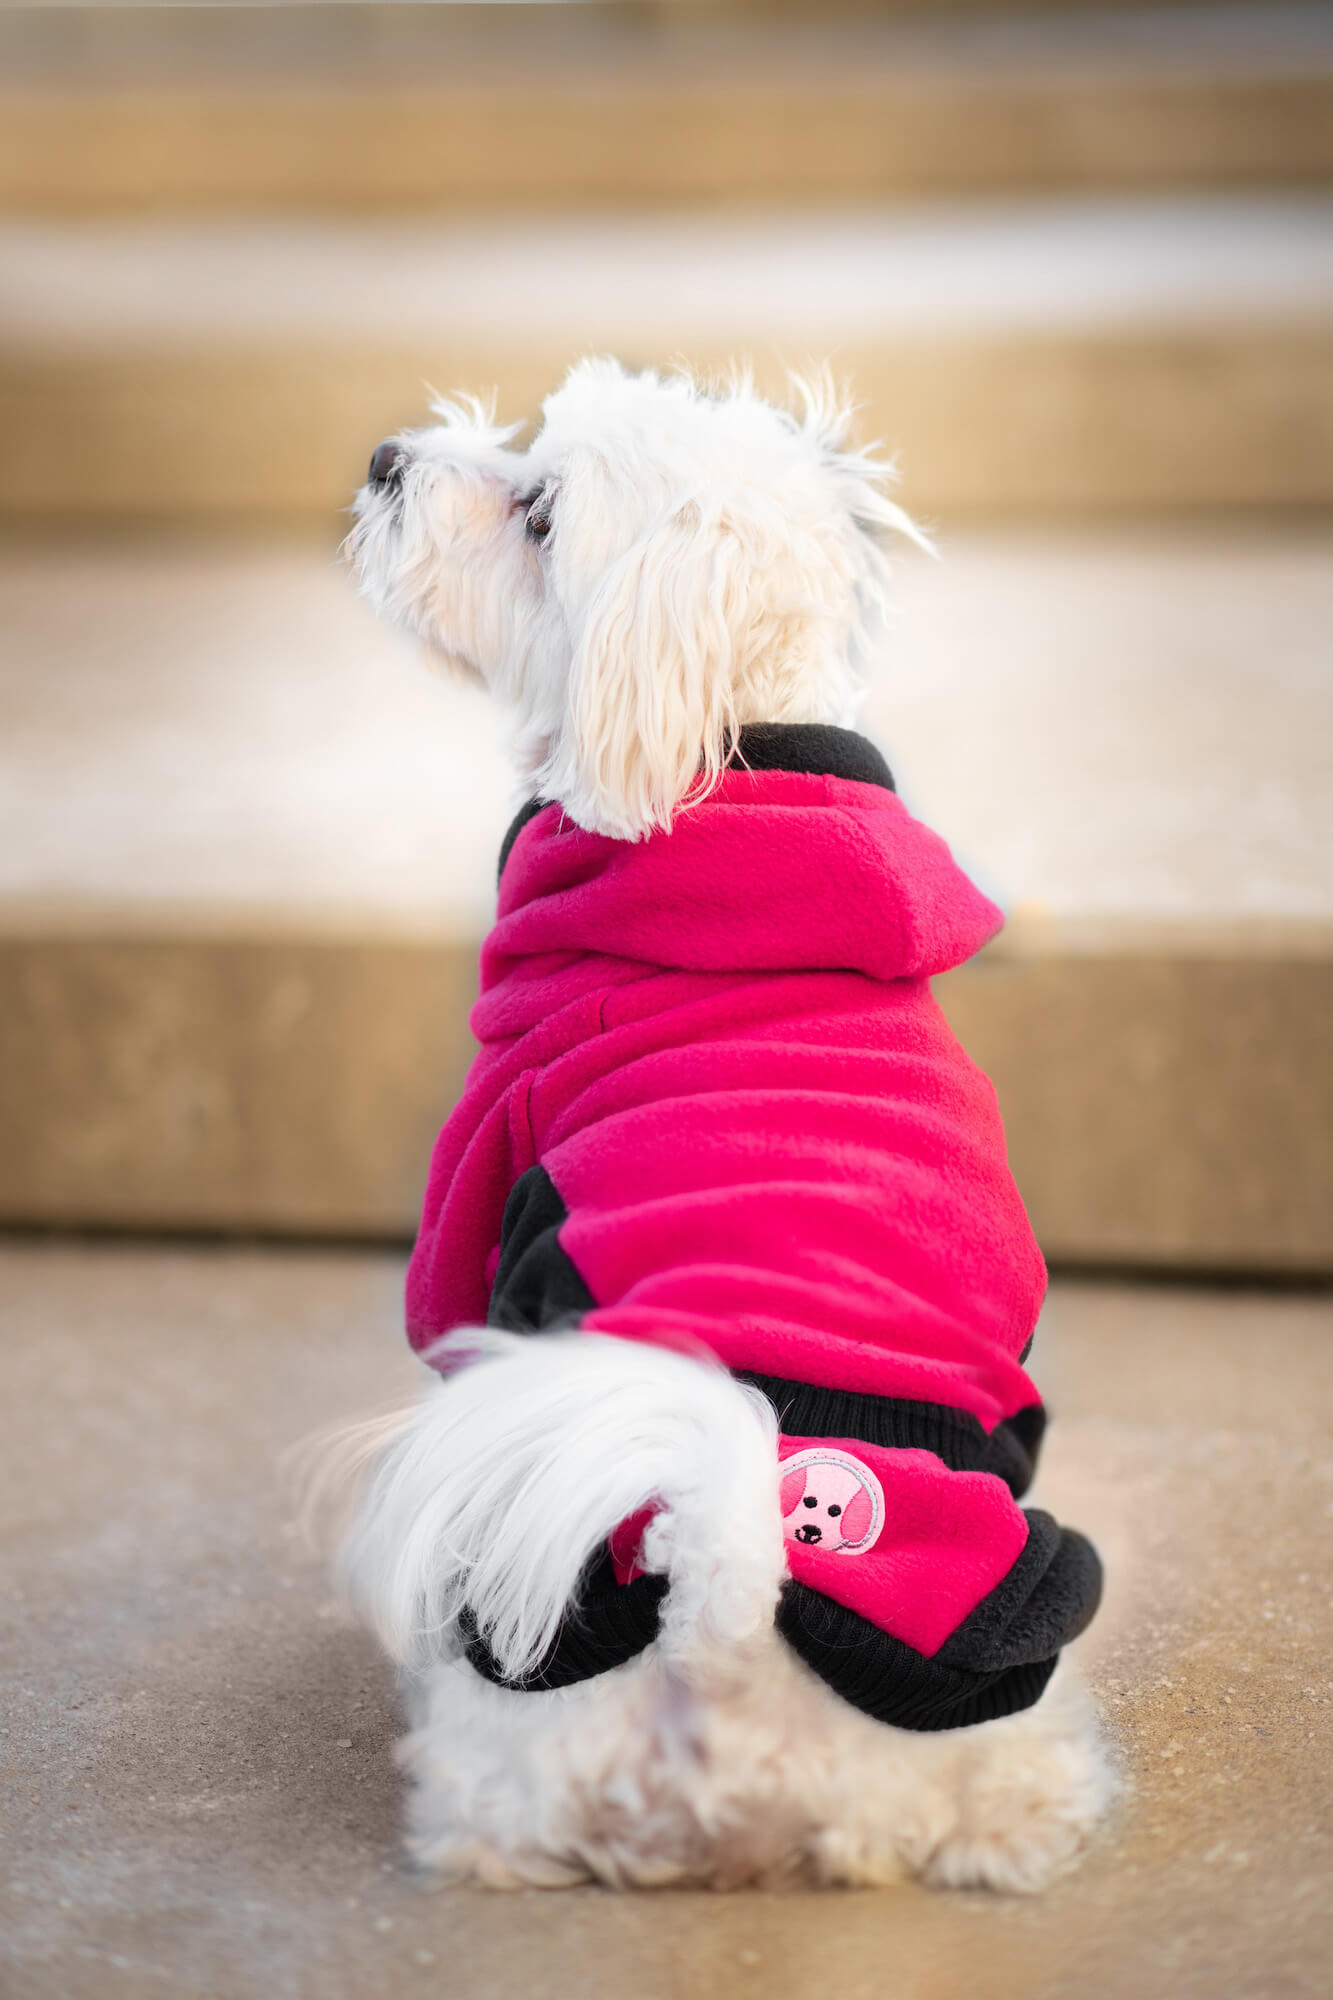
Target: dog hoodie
x=717 y=1107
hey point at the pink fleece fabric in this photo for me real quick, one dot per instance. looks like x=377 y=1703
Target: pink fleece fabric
x=931 y=1563
x=722 y=1046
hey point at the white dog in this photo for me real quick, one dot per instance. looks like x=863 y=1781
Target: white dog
x=661 y=1619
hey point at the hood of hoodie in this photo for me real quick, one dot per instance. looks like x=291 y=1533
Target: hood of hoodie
x=779 y=869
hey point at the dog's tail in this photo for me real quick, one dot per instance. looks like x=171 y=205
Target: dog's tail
x=492 y=1495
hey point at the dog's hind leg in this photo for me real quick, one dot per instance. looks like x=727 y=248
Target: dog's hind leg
x=1031 y=1790
x=1004 y=1805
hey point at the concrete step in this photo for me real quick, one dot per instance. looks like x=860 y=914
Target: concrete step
x=247 y=848
x=1070 y=357
x=373 y=108
x=201 y=1792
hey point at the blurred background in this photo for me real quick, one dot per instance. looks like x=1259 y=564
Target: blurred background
x=1076 y=262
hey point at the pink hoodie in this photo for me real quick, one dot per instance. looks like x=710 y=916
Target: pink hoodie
x=717 y=1106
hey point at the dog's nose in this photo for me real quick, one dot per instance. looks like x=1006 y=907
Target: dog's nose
x=809 y=1533
x=386 y=463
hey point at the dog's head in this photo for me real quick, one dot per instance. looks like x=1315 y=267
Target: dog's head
x=659 y=567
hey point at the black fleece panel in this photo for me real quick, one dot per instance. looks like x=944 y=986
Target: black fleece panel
x=537 y=1288
x=811 y=746
x=1049 y=1597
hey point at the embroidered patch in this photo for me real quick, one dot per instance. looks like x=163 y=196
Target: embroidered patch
x=830 y=1501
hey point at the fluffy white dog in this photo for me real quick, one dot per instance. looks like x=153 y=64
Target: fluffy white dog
x=662 y=580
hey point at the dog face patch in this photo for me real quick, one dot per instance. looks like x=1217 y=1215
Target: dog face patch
x=830 y=1501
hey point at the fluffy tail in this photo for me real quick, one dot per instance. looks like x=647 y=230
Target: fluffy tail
x=494 y=1492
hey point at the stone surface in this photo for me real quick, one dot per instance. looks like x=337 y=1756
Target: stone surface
x=1054 y=358
x=199 y=1796
x=1129 y=728
x=233 y=1083
x=247 y=850
x=231 y=108
x=1162 y=1107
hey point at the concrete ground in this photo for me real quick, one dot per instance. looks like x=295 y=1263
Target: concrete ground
x=200 y=1797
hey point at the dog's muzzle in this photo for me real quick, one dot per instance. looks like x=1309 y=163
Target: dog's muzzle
x=386 y=465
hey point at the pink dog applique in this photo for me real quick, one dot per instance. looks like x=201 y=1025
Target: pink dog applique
x=831 y=1501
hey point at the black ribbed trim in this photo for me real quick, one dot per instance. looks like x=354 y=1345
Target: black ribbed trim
x=612 y=1622
x=996 y=1662
x=814 y=748
x=887 y=1680
x=894 y=1423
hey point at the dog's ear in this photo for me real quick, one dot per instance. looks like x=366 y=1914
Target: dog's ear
x=858 y=1516
x=651 y=707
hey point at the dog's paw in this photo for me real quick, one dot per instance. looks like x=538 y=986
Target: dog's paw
x=451 y=1860
x=1028 y=1801
x=885 y=1844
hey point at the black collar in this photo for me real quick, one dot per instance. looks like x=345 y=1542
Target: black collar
x=815 y=748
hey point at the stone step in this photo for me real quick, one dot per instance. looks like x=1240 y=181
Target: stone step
x=1043 y=360
x=384 y=108
x=247 y=847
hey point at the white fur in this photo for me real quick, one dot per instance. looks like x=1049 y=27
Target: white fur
x=714 y=1757
x=711 y=561
x=514 y=1469
x=641 y=1778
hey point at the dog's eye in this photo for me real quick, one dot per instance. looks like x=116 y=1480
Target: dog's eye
x=834 y=1510
x=537 y=519
x=810 y=1500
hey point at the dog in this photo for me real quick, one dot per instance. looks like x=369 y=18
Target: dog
x=701 y=1555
